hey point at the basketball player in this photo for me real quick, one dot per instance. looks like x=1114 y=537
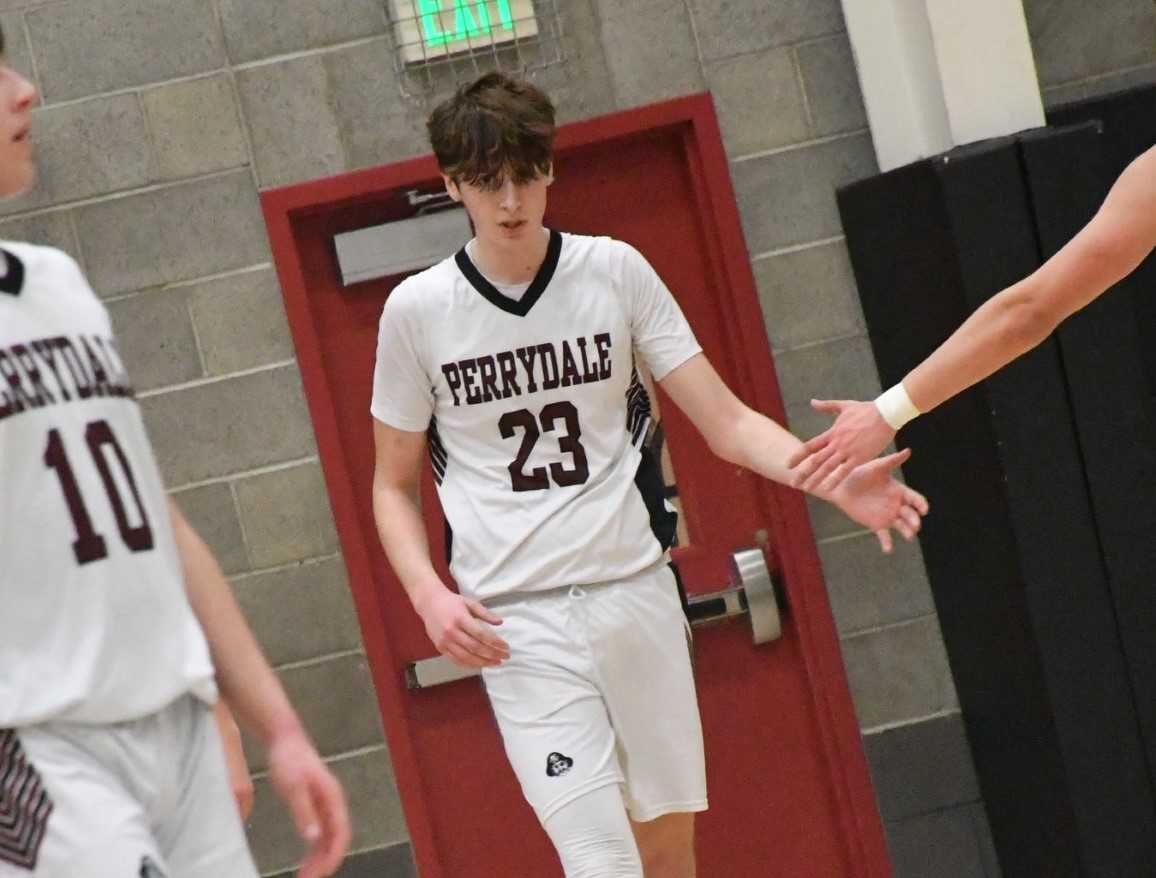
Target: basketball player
x=1107 y=249
x=111 y=607
x=514 y=361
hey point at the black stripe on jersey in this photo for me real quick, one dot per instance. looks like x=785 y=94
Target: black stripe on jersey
x=13 y=281
x=637 y=408
x=437 y=452
x=24 y=805
x=521 y=307
x=648 y=480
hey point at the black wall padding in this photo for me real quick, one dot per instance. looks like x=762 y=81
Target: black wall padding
x=1011 y=545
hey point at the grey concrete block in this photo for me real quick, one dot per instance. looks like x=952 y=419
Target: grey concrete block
x=1064 y=94
x=1073 y=40
x=336 y=702
x=286 y=516
x=181 y=232
x=395 y=861
x=54 y=229
x=944 y=845
x=650 y=50
x=374 y=807
x=156 y=340
x=16 y=52
x=832 y=85
x=195 y=126
x=581 y=86
x=240 y=321
x=809 y=295
x=839 y=369
x=734 y=27
x=869 y=589
x=94 y=46
x=292 y=96
x=922 y=767
x=759 y=102
x=788 y=198
x=1114 y=82
x=212 y=512
x=300 y=612
x=229 y=426
x=376 y=125
x=85 y=149
x=260 y=28
x=899 y=674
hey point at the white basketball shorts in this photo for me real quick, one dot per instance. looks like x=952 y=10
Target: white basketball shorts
x=599 y=690
x=143 y=799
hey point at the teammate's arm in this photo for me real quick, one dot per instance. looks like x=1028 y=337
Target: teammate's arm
x=1111 y=246
x=742 y=436
x=457 y=626
x=252 y=689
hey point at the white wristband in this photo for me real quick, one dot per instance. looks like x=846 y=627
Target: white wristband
x=896 y=407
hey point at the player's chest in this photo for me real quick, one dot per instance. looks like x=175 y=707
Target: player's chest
x=482 y=357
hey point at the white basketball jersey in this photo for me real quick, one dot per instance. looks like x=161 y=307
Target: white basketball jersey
x=95 y=626
x=535 y=413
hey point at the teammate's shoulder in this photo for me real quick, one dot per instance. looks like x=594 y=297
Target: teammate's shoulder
x=39 y=257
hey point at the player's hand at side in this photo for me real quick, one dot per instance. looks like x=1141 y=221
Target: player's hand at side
x=315 y=800
x=870 y=496
x=461 y=630
x=858 y=434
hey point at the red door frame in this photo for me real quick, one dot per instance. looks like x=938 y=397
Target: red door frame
x=841 y=742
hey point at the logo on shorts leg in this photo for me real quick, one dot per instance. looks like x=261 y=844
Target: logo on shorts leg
x=558 y=765
x=149 y=869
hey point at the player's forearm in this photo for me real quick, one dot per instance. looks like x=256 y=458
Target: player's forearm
x=759 y=444
x=244 y=676
x=403 y=537
x=1003 y=328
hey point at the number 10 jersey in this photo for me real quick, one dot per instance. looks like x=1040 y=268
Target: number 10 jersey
x=95 y=625
x=534 y=411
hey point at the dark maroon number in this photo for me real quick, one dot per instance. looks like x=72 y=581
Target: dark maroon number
x=565 y=411
x=90 y=546
x=536 y=479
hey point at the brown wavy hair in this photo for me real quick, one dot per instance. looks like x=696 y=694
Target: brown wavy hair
x=493 y=128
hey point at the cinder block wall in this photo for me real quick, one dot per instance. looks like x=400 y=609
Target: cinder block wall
x=163 y=119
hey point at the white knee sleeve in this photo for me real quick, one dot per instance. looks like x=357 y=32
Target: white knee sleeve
x=593 y=837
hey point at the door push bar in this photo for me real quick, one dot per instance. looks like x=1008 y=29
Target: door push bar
x=751 y=594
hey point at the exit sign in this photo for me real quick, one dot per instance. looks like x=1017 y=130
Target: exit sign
x=431 y=29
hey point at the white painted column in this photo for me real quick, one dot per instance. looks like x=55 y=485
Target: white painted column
x=941 y=73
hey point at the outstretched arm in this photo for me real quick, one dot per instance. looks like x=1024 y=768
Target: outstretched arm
x=1111 y=246
x=742 y=436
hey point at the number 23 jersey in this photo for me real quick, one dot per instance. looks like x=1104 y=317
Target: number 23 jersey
x=534 y=412
x=95 y=625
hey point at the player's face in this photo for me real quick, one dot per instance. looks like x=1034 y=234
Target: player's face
x=506 y=214
x=17 y=98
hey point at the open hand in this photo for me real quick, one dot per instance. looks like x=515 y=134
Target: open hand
x=315 y=800
x=870 y=496
x=858 y=434
x=460 y=629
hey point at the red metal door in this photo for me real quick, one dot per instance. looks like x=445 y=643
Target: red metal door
x=789 y=789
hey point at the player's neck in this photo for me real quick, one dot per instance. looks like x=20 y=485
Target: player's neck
x=511 y=262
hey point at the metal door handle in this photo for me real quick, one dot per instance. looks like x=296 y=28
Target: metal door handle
x=752 y=594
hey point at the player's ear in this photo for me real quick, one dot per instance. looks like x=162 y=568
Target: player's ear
x=452 y=188
x=550 y=174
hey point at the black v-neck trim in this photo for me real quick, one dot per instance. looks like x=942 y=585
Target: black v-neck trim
x=517 y=307
x=13 y=281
